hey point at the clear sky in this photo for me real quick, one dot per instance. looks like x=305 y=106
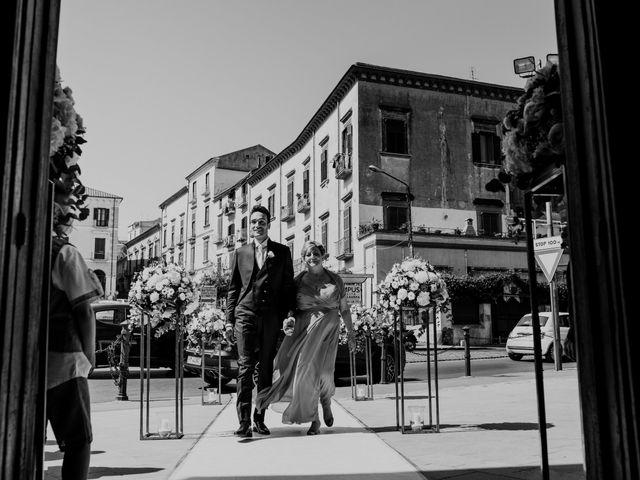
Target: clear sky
x=164 y=85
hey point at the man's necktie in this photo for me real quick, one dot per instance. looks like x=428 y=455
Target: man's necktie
x=259 y=255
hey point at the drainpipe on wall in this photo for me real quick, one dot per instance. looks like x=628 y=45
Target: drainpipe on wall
x=113 y=240
x=312 y=185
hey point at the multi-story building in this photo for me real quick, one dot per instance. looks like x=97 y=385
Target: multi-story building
x=386 y=150
x=203 y=185
x=142 y=248
x=433 y=137
x=173 y=217
x=97 y=237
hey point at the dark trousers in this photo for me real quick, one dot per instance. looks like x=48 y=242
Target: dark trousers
x=256 y=338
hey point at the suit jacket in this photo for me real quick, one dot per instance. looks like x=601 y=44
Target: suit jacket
x=279 y=267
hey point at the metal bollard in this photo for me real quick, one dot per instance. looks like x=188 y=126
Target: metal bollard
x=467 y=353
x=124 y=364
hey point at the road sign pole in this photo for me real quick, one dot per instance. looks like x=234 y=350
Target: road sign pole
x=553 y=297
x=557 y=342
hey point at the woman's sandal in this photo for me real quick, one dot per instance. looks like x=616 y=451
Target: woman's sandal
x=314 y=429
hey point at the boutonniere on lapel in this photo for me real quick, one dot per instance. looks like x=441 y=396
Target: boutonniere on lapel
x=270 y=255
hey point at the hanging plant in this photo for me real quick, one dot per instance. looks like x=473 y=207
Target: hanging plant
x=67 y=130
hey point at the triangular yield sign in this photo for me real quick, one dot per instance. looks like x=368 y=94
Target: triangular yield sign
x=548 y=262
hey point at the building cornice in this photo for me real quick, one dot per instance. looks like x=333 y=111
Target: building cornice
x=172 y=198
x=142 y=236
x=362 y=72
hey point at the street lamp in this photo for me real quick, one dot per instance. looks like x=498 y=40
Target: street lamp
x=375 y=169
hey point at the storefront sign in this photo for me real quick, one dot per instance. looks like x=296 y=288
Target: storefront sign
x=208 y=293
x=353 y=286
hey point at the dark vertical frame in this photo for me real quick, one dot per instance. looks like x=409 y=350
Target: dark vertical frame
x=28 y=42
x=598 y=113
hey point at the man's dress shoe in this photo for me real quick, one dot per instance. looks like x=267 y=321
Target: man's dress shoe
x=244 y=430
x=260 y=427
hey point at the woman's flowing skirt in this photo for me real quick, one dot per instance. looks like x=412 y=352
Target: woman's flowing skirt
x=304 y=366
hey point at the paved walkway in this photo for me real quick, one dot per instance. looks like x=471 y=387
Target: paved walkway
x=488 y=430
x=345 y=451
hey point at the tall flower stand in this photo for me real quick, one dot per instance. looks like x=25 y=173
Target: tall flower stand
x=360 y=392
x=417 y=422
x=163 y=430
x=210 y=398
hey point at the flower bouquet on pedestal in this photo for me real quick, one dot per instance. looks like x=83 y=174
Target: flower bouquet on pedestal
x=410 y=286
x=365 y=327
x=413 y=283
x=160 y=298
x=163 y=294
x=205 y=335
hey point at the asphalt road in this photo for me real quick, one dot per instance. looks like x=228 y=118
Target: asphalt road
x=162 y=382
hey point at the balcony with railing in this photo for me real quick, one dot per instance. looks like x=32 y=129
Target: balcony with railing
x=229 y=241
x=241 y=235
x=287 y=213
x=342 y=165
x=206 y=194
x=344 y=250
x=298 y=266
x=242 y=201
x=218 y=240
x=230 y=208
x=303 y=203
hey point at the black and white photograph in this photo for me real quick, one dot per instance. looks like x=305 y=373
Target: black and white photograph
x=319 y=240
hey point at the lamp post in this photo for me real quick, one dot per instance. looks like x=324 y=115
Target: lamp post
x=375 y=169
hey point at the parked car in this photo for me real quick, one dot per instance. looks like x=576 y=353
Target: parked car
x=229 y=358
x=110 y=316
x=342 y=362
x=520 y=340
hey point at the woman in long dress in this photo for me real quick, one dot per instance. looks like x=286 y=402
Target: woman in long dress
x=305 y=362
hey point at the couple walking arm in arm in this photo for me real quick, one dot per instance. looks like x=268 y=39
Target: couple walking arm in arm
x=262 y=293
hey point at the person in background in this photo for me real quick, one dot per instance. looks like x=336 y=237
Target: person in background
x=305 y=363
x=71 y=348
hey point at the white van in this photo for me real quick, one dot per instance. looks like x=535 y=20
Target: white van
x=520 y=341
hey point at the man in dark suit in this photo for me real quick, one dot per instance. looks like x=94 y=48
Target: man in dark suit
x=261 y=295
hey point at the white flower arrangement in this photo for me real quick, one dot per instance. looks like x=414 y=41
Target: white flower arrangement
x=413 y=283
x=368 y=322
x=206 y=325
x=164 y=293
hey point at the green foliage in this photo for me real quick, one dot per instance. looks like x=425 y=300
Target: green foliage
x=490 y=287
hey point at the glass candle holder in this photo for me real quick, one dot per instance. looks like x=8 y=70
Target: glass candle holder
x=164 y=428
x=416 y=417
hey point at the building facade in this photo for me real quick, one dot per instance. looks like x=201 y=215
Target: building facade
x=97 y=237
x=142 y=248
x=439 y=135
x=393 y=161
x=221 y=173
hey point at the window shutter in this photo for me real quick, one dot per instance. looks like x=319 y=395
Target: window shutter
x=475 y=147
x=305 y=181
x=106 y=217
x=497 y=150
x=95 y=214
